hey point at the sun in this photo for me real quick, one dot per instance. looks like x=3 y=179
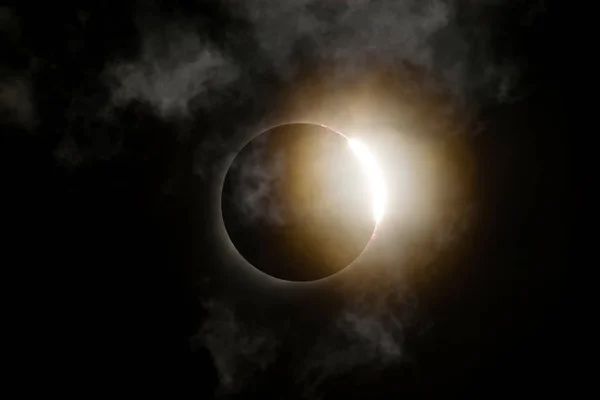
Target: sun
x=374 y=175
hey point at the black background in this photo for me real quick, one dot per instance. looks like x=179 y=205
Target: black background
x=101 y=267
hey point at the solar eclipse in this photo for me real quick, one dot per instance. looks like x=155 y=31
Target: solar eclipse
x=301 y=202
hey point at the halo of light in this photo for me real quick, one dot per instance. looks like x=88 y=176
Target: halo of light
x=375 y=177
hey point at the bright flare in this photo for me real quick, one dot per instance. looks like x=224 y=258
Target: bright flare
x=375 y=177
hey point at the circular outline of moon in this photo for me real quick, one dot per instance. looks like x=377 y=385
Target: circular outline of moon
x=369 y=167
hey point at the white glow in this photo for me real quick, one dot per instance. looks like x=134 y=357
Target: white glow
x=374 y=174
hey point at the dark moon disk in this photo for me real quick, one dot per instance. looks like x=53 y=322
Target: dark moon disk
x=296 y=203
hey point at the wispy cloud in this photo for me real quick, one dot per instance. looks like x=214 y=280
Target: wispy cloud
x=176 y=66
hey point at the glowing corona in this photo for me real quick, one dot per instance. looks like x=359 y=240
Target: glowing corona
x=374 y=175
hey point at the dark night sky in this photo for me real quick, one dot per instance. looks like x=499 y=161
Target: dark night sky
x=109 y=168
